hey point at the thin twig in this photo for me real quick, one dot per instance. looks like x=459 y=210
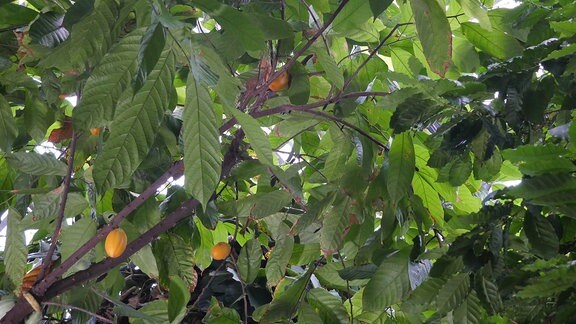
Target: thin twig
x=347 y=289
x=100 y=318
x=242 y=287
x=206 y=287
x=372 y=54
x=304 y=48
x=47 y=262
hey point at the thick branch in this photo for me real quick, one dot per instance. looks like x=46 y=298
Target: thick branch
x=174 y=172
x=100 y=268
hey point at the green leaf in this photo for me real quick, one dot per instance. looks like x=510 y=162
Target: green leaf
x=201 y=145
x=134 y=127
x=278 y=260
x=389 y=284
x=547 y=190
x=328 y=306
x=151 y=48
x=89 y=39
x=494 y=42
x=144 y=259
x=235 y=21
x=178 y=299
x=430 y=198
x=470 y=310
x=365 y=271
x=107 y=82
x=379 y=6
x=269 y=203
x=299 y=90
x=15 y=250
x=174 y=257
x=453 y=293
x=273 y=28
x=74 y=237
x=550 y=283
x=48 y=30
x=333 y=72
x=336 y=223
x=492 y=294
x=474 y=9
x=284 y=306
x=457 y=171
x=37 y=164
x=77 y=12
x=541 y=235
x=249 y=261
x=434 y=34
x=14 y=15
x=258 y=139
x=221 y=315
x=533 y=153
x=402 y=163
x=46 y=208
x=354 y=14
x=157 y=309
x=37 y=117
x=8 y=129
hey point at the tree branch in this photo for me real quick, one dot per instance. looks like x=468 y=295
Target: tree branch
x=174 y=172
x=47 y=262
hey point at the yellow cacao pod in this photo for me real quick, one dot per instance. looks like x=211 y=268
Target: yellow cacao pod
x=220 y=251
x=115 y=243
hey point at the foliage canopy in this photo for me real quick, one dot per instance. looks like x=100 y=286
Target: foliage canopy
x=375 y=188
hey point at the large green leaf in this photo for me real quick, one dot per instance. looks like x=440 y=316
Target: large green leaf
x=38 y=116
x=174 y=257
x=249 y=261
x=36 y=164
x=541 y=235
x=8 y=129
x=14 y=15
x=89 y=39
x=284 y=306
x=107 y=82
x=547 y=190
x=494 y=42
x=178 y=299
x=328 y=306
x=134 y=127
x=157 y=310
x=278 y=260
x=474 y=9
x=354 y=14
x=48 y=30
x=434 y=34
x=74 y=237
x=46 y=208
x=470 y=310
x=336 y=223
x=235 y=21
x=151 y=46
x=201 y=145
x=15 y=252
x=453 y=293
x=402 y=163
x=258 y=139
x=389 y=284
x=549 y=283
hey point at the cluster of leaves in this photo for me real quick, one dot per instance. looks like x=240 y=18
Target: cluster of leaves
x=373 y=189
